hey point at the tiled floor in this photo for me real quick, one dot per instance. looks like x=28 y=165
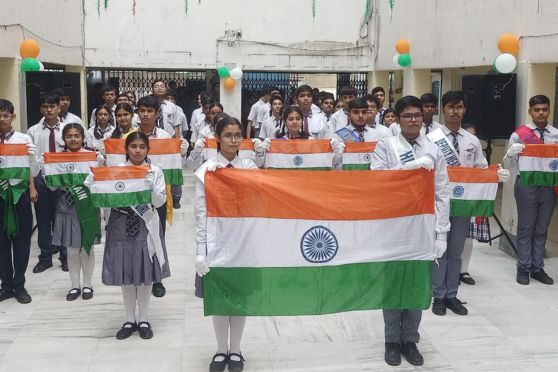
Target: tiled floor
x=509 y=327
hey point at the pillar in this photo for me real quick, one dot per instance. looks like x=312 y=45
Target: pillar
x=10 y=89
x=416 y=82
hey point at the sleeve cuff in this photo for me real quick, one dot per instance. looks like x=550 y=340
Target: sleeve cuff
x=442 y=236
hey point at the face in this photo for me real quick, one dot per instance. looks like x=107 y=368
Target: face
x=372 y=111
x=109 y=98
x=159 y=89
x=410 y=121
x=171 y=98
x=304 y=100
x=389 y=119
x=6 y=119
x=131 y=98
x=276 y=106
x=428 y=110
x=381 y=96
x=294 y=122
x=147 y=115
x=212 y=113
x=327 y=105
x=359 y=117
x=230 y=139
x=453 y=112
x=123 y=99
x=205 y=109
x=347 y=98
x=540 y=114
x=137 y=151
x=102 y=117
x=64 y=104
x=50 y=111
x=123 y=118
x=73 y=140
x=339 y=106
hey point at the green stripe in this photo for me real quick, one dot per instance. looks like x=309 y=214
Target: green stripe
x=305 y=169
x=471 y=208
x=173 y=176
x=318 y=289
x=14 y=173
x=536 y=178
x=64 y=180
x=125 y=199
x=356 y=166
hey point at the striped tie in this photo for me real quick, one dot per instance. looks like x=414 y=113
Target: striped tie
x=541 y=133
x=455 y=141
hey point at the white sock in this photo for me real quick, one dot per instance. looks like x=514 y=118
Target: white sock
x=74 y=266
x=144 y=297
x=237 y=328
x=130 y=297
x=87 y=265
x=221 y=326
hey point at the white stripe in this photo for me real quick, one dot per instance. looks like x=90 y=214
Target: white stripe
x=80 y=167
x=166 y=161
x=473 y=191
x=356 y=157
x=211 y=154
x=287 y=161
x=112 y=160
x=16 y=161
x=109 y=187
x=531 y=163
x=269 y=242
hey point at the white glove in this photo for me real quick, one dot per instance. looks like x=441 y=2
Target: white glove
x=440 y=247
x=261 y=146
x=32 y=152
x=183 y=147
x=422 y=162
x=213 y=165
x=515 y=149
x=199 y=146
x=337 y=145
x=101 y=146
x=150 y=179
x=503 y=174
x=201 y=265
x=100 y=160
x=89 y=180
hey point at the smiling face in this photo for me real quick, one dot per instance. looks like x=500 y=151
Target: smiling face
x=73 y=140
x=137 y=151
x=293 y=123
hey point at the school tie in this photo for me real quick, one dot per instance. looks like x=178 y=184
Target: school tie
x=305 y=127
x=51 y=140
x=2 y=138
x=230 y=165
x=541 y=133
x=412 y=143
x=361 y=136
x=132 y=222
x=427 y=129
x=455 y=141
x=68 y=198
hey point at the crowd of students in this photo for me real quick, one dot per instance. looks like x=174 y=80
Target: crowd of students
x=404 y=136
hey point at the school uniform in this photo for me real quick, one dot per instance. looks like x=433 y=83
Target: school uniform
x=195 y=160
x=96 y=134
x=112 y=117
x=395 y=128
x=68 y=118
x=196 y=115
x=196 y=127
x=264 y=112
x=270 y=126
x=316 y=125
x=253 y=117
x=339 y=120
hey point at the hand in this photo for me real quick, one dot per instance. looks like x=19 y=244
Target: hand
x=503 y=174
x=100 y=159
x=199 y=146
x=261 y=146
x=440 y=247
x=515 y=149
x=183 y=147
x=422 y=162
x=89 y=180
x=32 y=152
x=201 y=265
x=101 y=146
x=33 y=195
x=212 y=166
x=150 y=179
x=337 y=145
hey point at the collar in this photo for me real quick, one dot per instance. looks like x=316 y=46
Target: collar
x=236 y=162
x=56 y=126
x=152 y=133
x=419 y=140
x=533 y=126
x=352 y=128
x=8 y=135
x=447 y=131
x=63 y=117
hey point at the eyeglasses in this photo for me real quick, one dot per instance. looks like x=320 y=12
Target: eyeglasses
x=408 y=117
x=229 y=137
x=458 y=109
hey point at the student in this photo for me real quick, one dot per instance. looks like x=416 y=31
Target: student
x=65 y=115
x=253 y=129
x=47 y=137
x=109 y=94
x=388 y=118
x=327 y=108
x=197 y=156
x=125 y=98
x=197 y=115
x=379 y=93
x=357 y=129
x=15 y=246
x=127 y=262
x=273 y=122
x=340 y=118
x=102 y=128
x=313 y=124
x=373 y=105
x=205 y=104
x=228 y=133
x=429 y=108
x=168 y=117
x=132 y=98
x=264 y=111
x=338 y=105
x=124 y=117
x=401 y=325
x=535 y=204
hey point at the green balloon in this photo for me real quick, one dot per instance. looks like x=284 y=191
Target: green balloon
x=30 y=64
x=223 y=72
x=404 y=60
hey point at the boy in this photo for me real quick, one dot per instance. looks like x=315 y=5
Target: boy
x=357 y=129
x=264 y=110
x=183 y=122
x=65 y=115
x=108 y=95
x=379 y=93
x=429 y=107
x=315 y=124
x=339 y=119
x=168 y=117
x=253 y=127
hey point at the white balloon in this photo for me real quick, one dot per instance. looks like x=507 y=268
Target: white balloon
x=396 y=58
x=236 y=73
x=505 y=63
x=41 y=66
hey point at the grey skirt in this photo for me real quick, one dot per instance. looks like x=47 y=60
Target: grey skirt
x=67 y=230
x=126 y=260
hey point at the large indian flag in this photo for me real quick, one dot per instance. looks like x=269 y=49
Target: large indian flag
x=63 y=169
x=299 y=154
x=538 y=165
x=298 y=246
x=14 y=162
x=473 y=191
x=245 y=152
x=357 y=155
x=164 y=153
x=116 y=187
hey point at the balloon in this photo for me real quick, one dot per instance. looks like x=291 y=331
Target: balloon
x=396 y=58
x=403 y=46
x=30 y=64
x=228 y=83
x=29 y=48
x=223 y=72
x=505 y=63
x=236 y=73
x=404 y=60
x=509 y=43
x=41 y=66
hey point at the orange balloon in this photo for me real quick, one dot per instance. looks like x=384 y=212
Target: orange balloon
x=228 y=83
x=29 y=48
x=403 y=46
x=509 y=43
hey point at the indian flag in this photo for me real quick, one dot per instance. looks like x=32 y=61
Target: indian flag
x=245 y=152
x=357 y=155
x=164 y=153
x=299 y=154
x=64 y=169
x=473 y=191
x=538 y=165
x=14 y=162
x=294 y=245
x=123 y=186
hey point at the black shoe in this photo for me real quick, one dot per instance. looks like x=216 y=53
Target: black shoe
x=410 y=351
x=158 y=290
x=42 y=266
x=456 y=306
x=145 y=332
x=542 y=277
x=216 y=366
x=5 y=294
x=126 y=332
x=22 y=296
x=73 y=294
x=392 y=355
x=236 y=365
x=522 y=278
x=439 y=306
x=466 y=278
x=64 y=265
x=176 y=205
x=87 y=295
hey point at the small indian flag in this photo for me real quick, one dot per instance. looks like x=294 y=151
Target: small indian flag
x=538 y=165
x=365 y=244
x=245 y=152
x=14 y=162
x=357 y=155
x=299 y=154
x=116 y=187
x=473 y=191
x=63 y=169
x=164 y=153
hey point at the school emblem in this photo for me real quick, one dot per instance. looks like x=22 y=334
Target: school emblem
x=458 y=191
x=70 y=167
x=1 y=162
x=553 y=165
x=119 y=186
x=367 y=157
x=318 y=245
x=298 y=160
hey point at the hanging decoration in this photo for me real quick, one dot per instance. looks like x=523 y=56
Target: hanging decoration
x=223 y=72
x=236 y=73
x=29 y=48
x=505 y=63
x=134 y=8
x=391 y=5
x=99 y=7
x=186 y=7
x=313 y=10
x=366 y=9
x=403 y=55
x=106 y=4
x=228 y=83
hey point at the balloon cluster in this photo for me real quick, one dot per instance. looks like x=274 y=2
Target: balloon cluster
x=29 y=51
x=229 y=76
x=505 y=63
x=402 y=57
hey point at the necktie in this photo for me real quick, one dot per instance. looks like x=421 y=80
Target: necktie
x=230 y=165
x=2 y=138
x=51 y=140
x=412 y=142
x=305 y=127
x=455 y=142
x=361 y=136
x=133 y=219
x=427 y=128
x=68 y=198
x=541 y=133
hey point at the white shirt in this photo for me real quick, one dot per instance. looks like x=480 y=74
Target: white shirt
x=395 y=128
x=195 y=160
x=253 y=115
x=181 y=116
x=40 y=135
x=315 y=109
x=371 y=134
x=470 y=149
x=270 y=126
x=14 y=138
x=94 y=141
x=550 y=137
x=71 y=118
x=196 y=116
x=93 y=120
x=263 y=113
x=157 y=133
x=196 y=127
x=317 y=126
x=339 y=120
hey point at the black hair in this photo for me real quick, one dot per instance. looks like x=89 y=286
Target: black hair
x=50 y=99
x=348 y=90
x=453 y=97
x=283 y=131
x=469 y=125
x=221 y=121
x=407 y=101
x=373 y=98
x=275 y=98
x=386 y=111
x=6 y=105
x=539 y=100
x=117 y=132
x=157 y=81
x=335 y=103
x=358 y=103
x=171 y=92
x=266 y=90
x=148 y=101
x=378 y=89
x=135 y=136
x=302 y=89
x=429 y=98
x=134 y=94
x=60 y=92
x=327 y=95
x=79 y=128
x=207 y=101
x=204 y=94
x=218 y=117
x=122 y=95
x=96 y=131
x=109 y=88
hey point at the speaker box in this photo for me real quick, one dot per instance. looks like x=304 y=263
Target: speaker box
x=491 y=104
x=41 y=82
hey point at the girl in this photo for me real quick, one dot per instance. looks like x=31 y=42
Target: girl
x=197 y=156
x=388 y=117
x=338 y=105
x=126 y=261
x=103 y=126
x=124 y=116
x=228 y=133
x=291 y=127
x=273 y=123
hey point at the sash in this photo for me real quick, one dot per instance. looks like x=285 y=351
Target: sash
x=151 y=219
x=347 y=135
x=90 y=227
x=11 y=194
x=439 y=138
x=403 y=150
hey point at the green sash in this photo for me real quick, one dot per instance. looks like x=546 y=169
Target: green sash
x=88 y=216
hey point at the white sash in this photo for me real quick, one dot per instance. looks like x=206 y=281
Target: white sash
x=151 y=219
x=403 y=149
x=439 y=138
